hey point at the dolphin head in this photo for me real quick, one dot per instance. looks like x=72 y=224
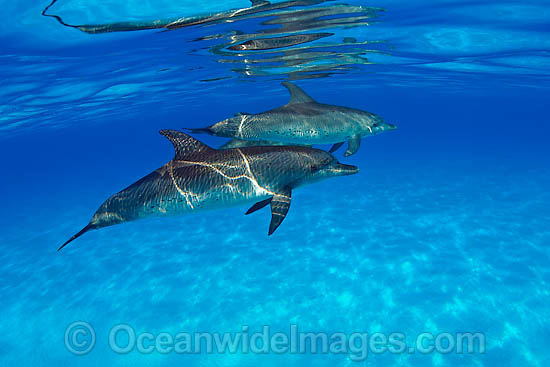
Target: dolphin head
x=336 y=168
x=382 y=126
x=367 y=120
x=322 y=165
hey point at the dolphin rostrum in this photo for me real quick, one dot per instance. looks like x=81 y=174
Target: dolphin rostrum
x=302 y=121
x=200 y=177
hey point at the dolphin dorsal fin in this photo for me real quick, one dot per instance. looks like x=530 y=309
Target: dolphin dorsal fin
x=184 y=145
x=296 y=94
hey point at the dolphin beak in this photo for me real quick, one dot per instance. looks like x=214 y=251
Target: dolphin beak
x=344 y=169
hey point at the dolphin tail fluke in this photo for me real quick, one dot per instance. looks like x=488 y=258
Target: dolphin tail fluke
x=82 y=231
x=202 y=130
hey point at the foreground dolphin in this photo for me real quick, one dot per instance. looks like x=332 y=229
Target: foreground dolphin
x=200 y=177
x=302 y=121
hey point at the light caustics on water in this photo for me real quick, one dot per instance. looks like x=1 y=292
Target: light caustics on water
x=297 y=38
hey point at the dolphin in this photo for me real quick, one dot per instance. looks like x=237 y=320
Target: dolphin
x=302 y=121
x=200 y=177
x=237 y=143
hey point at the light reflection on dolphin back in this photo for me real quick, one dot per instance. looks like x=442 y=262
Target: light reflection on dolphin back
x=288 y=39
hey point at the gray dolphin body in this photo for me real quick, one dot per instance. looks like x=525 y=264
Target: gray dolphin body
x=302 y=121
x=200 y=177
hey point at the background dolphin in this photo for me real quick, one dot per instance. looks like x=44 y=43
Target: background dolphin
x=200 y=177
x=237 y=143
x=302 y=121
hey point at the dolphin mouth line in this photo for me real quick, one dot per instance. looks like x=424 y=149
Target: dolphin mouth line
x=345 y=169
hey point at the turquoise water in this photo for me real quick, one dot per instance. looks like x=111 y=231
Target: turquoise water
x=444 y=230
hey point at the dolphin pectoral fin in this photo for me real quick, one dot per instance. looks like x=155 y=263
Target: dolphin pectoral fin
x=297 y=95
x=335 y=147
x=353 y=145
x=259 y=205
x=280 y=203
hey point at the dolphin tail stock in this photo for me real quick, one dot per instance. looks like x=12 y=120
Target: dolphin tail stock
x=200 y=130
x=89 y=227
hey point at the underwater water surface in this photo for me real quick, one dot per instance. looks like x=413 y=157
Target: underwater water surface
x=444 y=230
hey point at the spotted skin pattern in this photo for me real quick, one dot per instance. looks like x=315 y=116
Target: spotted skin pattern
x=200 y=177
x=302 y=121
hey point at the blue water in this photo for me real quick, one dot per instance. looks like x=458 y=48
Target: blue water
x=444 y=230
